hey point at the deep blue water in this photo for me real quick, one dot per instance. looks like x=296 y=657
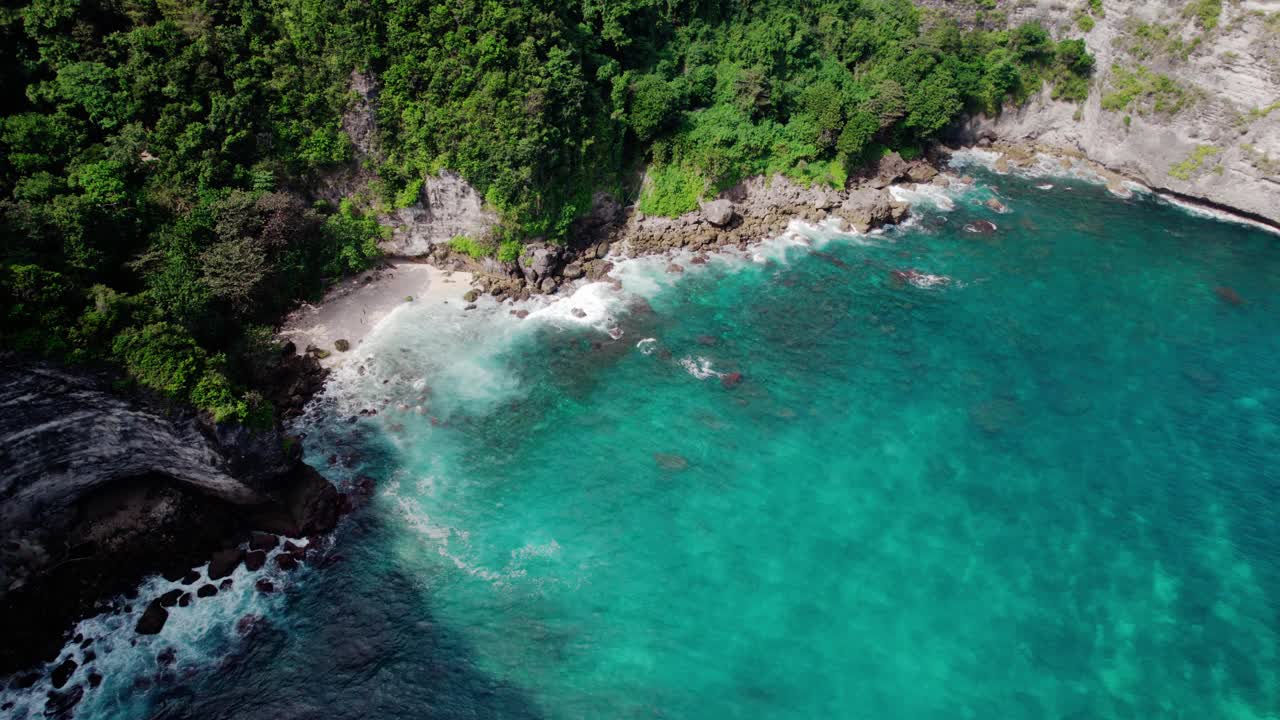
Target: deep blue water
x=1045 y=487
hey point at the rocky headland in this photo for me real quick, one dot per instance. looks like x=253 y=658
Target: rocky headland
x=101 y=489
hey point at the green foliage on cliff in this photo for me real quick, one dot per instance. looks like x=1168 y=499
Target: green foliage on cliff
x=158 y=158
x=1145 y=92
x=1194 y=162
x=1205 y=12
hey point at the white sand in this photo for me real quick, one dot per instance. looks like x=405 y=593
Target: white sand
x=351 y=309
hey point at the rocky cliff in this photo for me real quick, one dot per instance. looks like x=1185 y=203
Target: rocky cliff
x=98 y=490
x=1185 y=96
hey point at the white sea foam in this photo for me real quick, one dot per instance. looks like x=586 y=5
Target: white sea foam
x=440 y=536
x=924 y=194
x=699 y=367
x=595 y=304
x=1220 y=215
x=199 y=635
x=647 y=346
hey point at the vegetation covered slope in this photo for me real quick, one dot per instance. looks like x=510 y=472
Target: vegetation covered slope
x=157 y=154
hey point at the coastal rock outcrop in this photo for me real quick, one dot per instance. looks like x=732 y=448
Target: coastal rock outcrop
x=98 y=490
x=718 y=212
x=1184 y=106
x=447 y=207
x=539 y=261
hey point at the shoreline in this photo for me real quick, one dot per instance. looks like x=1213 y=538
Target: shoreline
x=1025 y=155
x=759 y=209
x=353 y=308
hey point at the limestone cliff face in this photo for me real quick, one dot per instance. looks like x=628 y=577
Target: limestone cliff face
x=1181 y=104
x=447 y=207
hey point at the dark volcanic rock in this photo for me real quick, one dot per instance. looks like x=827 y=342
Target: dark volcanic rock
x=61 y=704
x=153 y=619
x=62 y=673
x=101 y=490
x=265 y=586
x=263 y=541
x=285 y=561
x=255 y=560
x=224 y=563
x=169 y=599
x=206 y=590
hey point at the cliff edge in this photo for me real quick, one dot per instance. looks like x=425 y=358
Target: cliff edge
x=99 y=490
x=1185 y=97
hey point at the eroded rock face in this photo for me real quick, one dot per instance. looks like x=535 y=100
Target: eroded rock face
x=1223 y=86
x=447 y=207
x=98 y=490
x=538 y=261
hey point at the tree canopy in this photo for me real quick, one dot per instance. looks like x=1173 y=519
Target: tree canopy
x=157 y=157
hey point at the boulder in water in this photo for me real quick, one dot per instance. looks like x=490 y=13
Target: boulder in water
x=170 y=598
x=264 y=541
x=224 y=563
x=729 y=380
x=153 y=619
x=996 y=205
x=61 y=704
x=254 y=561
x=1228 y=295
x=668 y=461
x=981 y=227
x=62 y=673
x=341 y=345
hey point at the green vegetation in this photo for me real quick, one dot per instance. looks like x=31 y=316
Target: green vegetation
x=1148 y=40
x=1144 y=92
x=1259 y=113
x=1205 y=12
x=470 y=247
x=158 y=158
x=509 y=251
x=1194 y=162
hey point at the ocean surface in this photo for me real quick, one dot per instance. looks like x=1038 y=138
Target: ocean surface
x=924 y=474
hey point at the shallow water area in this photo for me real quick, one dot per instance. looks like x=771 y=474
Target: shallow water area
x=926 y=473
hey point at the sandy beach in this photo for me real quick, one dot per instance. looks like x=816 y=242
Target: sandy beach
x=351 y=309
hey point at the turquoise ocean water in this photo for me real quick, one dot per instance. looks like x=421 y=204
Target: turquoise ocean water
x=1040 y=484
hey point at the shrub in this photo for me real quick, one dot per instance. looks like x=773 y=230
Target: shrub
x=1192 y=164
x=471 y=248
x=509 y=251
x=672 y=191
x=161 y=356
x=351 y=241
